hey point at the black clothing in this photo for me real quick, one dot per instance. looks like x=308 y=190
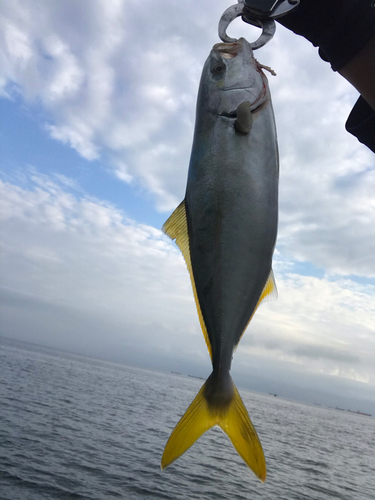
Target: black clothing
x=340 y=28
x=361 y=123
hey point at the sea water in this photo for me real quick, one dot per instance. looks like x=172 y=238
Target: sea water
x=78 y=428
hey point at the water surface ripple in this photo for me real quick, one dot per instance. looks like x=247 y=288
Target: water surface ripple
x=78 y=428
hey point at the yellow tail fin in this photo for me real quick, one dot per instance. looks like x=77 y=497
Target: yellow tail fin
x=232 y=418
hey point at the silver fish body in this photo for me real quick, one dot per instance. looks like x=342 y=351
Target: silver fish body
x=232 y=200
x=230 y=212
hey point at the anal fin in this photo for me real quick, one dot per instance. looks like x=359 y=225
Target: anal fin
x=269 y=293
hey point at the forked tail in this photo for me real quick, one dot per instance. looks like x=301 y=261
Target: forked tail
x=214 y=405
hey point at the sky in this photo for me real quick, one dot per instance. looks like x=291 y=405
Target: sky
x=97 y=103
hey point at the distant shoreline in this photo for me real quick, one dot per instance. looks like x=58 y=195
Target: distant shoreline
x=31 y=345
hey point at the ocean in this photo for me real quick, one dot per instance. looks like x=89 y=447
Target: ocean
x=78 y=428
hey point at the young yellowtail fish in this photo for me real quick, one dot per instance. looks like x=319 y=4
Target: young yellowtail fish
x=226 y=229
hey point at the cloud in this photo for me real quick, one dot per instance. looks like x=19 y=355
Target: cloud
x=331 y=220
x=326 y=326
x=118 y=81
x=103 y=93
x=77 y=272
x=318 y=352
x=75 y=254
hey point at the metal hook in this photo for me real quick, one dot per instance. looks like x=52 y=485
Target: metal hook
x=268 y=25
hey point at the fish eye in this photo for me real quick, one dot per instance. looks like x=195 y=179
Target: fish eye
x=218 y=69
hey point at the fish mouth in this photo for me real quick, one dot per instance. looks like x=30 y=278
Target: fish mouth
x=227 y=50
x=230 y=114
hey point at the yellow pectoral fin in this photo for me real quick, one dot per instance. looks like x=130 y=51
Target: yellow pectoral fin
x=177 y=229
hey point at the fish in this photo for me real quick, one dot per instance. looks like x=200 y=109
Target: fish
x=226 y=229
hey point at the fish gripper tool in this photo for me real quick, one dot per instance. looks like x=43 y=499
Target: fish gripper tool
x=260 y=13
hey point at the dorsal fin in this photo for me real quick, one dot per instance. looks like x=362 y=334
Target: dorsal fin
x=176 y=228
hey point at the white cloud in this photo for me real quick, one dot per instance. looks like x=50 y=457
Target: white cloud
x=75 y=255
x=325 y=325
x=85 y=255
x=102 y=85
x=328 y=218
x=119 y=80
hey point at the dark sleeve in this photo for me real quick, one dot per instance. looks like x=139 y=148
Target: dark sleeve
x=339 y=28
x=361 y=123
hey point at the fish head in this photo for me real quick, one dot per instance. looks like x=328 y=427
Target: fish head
x=231 y=76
